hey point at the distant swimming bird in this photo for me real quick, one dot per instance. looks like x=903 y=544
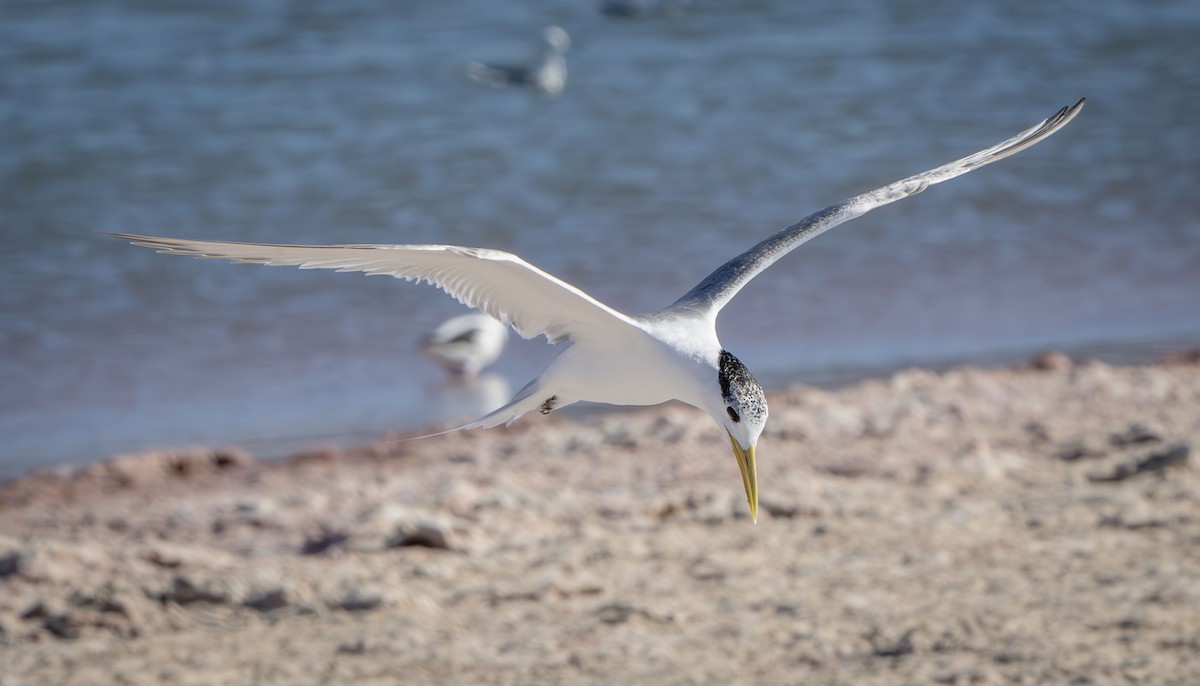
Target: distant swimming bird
x=548 y=76
x=465 y=344
x=612 y=357
x=632 y=9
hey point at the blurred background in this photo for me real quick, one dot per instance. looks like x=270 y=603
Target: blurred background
x=685 y=133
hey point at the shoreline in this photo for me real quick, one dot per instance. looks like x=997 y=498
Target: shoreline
x=1034 y=524
x=1122 y=353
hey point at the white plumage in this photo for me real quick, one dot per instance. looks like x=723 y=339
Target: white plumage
x=465 y=344
x=612 y=357
x=549 y=75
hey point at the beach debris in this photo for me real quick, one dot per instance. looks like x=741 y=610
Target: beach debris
x=1155 y=463
x=356 y=600
x=184 y=591
x=267 y=599
x=138 y=470
x=1136 y=434
x=1052 y=361
x=1187 y=356
x=357 y=647
x=1078 y=450
x=423 y=536
x=62 y=625
x=323 y=540
x=898 y=648
x=619 y=613
x=10 y=563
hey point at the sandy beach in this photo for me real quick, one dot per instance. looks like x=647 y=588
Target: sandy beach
x=1033 y=525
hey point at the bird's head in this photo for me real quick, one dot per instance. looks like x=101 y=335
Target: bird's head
x=557 y=38
x=743 y=414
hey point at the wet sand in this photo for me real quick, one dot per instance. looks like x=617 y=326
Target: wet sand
x=1029 y=525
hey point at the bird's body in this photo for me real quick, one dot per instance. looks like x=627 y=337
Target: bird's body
x=465 y=344
x=549 y=75
x=610 y=357
x=633 y=9
x=660 y=361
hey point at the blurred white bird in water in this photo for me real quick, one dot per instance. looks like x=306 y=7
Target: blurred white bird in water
x=638 y=9
x=548 y=76
x=466 y=344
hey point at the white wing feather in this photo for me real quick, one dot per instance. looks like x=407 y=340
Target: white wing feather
x=496 y=282
x=711 y=294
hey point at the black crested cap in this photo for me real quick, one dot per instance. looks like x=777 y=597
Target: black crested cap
x=740 y=389
x=733 y=375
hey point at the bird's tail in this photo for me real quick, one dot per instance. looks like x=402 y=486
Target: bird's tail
x=526 y=400
x=478 y=71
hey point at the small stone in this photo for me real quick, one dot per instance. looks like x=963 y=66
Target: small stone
x=714 y=507
x=703 y=569
x=1037 y=431
x=162 y=558
x=62 y=625
x=353 y=648
x=1052 y=361
x=1158 y=462
x=141 y=469
x=1076 y=451
x=461 y=498
x=10 y=563
x=1187 y=356
x=265 y=601
x=184 y=592
x=615 y=613
x=36 y=611
x=1136 y=434
x=899 y=648
x=357 y=601
x=103 y=600
x=1154 y=463
x=424 y=536
x=619 y=613
x=323 y=541
x=194 y=462
x=781 y=509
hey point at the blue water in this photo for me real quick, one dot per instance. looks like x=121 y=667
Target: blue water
x=679 y=141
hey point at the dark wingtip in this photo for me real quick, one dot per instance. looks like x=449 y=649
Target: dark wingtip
x=1069 y=112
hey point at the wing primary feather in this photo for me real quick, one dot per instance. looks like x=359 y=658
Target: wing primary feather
x=719 y=287
x=499 y=283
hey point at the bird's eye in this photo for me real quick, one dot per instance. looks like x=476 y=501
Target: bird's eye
x=733 y=414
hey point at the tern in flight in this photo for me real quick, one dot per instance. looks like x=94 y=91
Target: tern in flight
x=611 y=357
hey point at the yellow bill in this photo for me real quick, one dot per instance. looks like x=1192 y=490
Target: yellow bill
x=745 y=461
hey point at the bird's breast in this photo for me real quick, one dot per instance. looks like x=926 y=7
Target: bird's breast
x=647 y=371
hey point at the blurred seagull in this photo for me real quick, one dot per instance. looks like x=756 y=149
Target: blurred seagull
x=464 y=345
x=548 y=76
x=632 y=9
x=611 y=357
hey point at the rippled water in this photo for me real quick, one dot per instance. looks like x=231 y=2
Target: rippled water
x=679 y=141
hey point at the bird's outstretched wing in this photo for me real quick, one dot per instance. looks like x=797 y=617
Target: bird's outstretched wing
x=497 y=282
x=711 y=294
